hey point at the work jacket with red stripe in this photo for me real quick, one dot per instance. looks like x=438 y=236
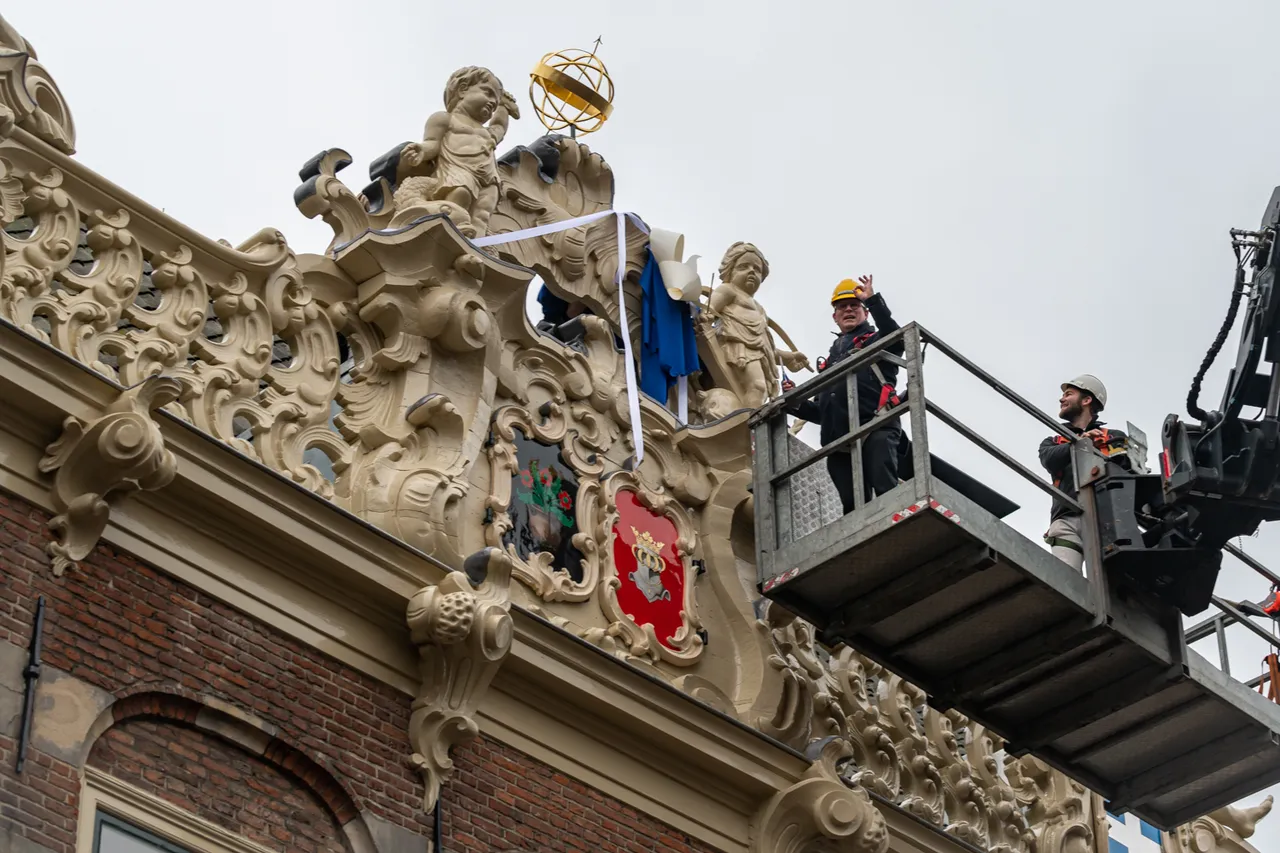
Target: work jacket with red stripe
x=1055 y=456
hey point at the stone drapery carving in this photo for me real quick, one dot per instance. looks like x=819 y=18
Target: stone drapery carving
x=120 y=451
x=737 y=335
x=29 y=97
x=452 y=170
x=462 y=628
x=822 y=812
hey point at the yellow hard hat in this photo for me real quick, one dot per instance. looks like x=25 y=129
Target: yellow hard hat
x=847 y=289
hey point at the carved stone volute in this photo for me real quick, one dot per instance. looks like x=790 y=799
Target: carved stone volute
x=120 y=451
x=463 y=630
x=423 y=400
x=29 y=98
x=822 y=811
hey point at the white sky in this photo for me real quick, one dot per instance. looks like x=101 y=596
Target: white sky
x=1047 y=189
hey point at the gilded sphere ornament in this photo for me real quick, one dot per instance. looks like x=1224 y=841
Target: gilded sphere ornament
x=571 y=89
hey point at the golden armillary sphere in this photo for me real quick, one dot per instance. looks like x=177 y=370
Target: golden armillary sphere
x=571 y=88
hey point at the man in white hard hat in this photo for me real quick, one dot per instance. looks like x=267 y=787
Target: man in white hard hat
x=1081 y=401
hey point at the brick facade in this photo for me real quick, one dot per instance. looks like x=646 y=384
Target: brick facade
x=219 y=782
x=160 y=647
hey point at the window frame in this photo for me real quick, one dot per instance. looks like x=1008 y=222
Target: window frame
x=103 y=818
x=104 y=795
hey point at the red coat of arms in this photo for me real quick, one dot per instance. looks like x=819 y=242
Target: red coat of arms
x=651 y=574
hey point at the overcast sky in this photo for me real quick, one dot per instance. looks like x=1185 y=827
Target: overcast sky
x=1048 y=189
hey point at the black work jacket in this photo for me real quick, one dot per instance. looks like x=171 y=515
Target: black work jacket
x=830 y=409
x=1055 y=456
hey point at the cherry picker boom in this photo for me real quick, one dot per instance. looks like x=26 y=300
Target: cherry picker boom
x=1091 y=674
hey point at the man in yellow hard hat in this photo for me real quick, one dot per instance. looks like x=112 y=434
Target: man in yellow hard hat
x=854 y=304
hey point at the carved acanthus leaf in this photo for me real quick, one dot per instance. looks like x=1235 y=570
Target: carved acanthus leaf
x=821 y=812
x=463 y=630
x=120 y=451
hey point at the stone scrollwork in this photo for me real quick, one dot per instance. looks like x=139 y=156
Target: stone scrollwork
x=922 y=787
x=1057 y=807
x=784 y=707
x=120 y=451
x=463 y=630
x=554 y=179
x=29 y=97
x=822 y=811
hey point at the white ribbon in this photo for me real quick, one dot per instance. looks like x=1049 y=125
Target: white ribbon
x=633 y=390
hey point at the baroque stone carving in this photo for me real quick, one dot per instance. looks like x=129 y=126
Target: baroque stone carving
x=29 y=96
x=784 y=708
x=419 y=409
x=548 y=581
x=1243 y=821
x=120 y=451
x=1221 y=831
x=635 y=560
x=452 y=170
x=555 y=179
x=1057 y=807
x=463 y=630
x=737 y=337
x=821 y=812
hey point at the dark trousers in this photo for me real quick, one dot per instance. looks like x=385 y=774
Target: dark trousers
x=879 y=466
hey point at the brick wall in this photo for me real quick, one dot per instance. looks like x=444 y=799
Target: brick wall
x=126 y=628
x=134 y=632
x=219 y=782
x=501 y=799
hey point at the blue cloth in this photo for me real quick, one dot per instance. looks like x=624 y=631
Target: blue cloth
x=668 y=346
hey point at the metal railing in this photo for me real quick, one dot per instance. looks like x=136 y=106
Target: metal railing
x=1231 y=614
x=906 y=348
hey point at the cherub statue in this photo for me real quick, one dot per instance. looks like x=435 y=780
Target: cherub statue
x=452 y=170
x=744 y=332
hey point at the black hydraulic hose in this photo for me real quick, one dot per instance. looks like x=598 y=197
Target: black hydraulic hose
x=1193 y=397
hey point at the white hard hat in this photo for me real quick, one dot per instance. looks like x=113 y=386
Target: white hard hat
x=1092 y=386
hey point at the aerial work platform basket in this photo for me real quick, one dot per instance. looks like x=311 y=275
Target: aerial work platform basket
x=1087 y=673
